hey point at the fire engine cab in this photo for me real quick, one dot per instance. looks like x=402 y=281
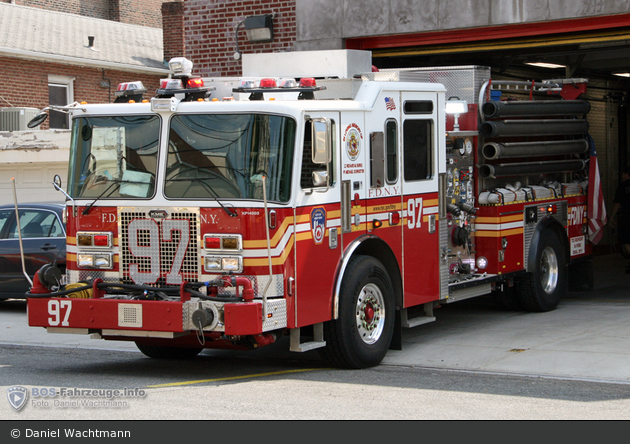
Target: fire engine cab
x=333 y=208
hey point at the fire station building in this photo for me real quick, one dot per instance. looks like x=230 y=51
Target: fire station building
x=517 y=39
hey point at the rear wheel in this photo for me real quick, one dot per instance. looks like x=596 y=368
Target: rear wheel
x=542 y=289
x=165 y=352
x=361 y=335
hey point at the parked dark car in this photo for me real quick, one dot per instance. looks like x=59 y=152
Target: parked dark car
x=43 y=240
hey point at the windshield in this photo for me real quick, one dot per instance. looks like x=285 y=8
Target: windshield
x=113 y=157
x=215 y=156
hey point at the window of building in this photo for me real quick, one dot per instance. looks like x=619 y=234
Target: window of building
x=60 y=92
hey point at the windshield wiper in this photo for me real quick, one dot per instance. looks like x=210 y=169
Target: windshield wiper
x=87 y=209
x=215 y=196
x=118 y=183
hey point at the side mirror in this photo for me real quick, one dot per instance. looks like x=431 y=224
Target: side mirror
x=57 y=182
x=38 y=119
x=321 y=141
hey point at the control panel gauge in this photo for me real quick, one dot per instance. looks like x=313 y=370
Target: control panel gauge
x=468 y=146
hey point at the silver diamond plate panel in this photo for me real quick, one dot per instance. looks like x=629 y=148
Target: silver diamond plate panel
x=276 y=314
x=276 y=287
x=530 y=228
x=88 y=275
x=464 y=82
x=444 y=266
x=189 y=308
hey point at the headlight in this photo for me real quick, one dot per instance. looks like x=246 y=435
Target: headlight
x=231 y=264
x=482 y=262
x=95 y=260
x=223 y=264
x=213 y=264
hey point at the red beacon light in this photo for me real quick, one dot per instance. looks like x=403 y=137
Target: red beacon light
x=268 y=83
x=195 y=83
x=308 y=82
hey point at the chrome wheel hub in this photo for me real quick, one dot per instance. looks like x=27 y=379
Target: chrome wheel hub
x=549 y=270
x=370 y=313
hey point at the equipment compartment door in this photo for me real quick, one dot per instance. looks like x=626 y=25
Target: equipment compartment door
x=420 y=153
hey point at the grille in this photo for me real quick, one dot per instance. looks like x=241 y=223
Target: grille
x=159 y=249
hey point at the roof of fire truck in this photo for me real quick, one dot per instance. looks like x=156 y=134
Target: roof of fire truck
x=187 y=94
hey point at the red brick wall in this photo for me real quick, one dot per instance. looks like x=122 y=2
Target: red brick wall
x=210 y=31
x=30 y=89
x=173 y=30
x=137 y=12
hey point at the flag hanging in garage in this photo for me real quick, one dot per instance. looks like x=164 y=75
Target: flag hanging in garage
x=596 y=208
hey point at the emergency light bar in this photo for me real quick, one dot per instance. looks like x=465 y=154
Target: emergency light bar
x=256 y=88
x=192 y=88
x=129 y=91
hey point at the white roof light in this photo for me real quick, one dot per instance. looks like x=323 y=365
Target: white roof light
x=180 y=66
x=456 y=106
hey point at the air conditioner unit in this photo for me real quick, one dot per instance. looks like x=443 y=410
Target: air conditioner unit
x=16 y=119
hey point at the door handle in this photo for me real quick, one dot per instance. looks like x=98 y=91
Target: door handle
x=48 y=247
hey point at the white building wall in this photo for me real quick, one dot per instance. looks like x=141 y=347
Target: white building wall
x=32 y=158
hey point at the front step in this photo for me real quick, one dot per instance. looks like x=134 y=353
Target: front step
x=301 y=347
x=418 y=318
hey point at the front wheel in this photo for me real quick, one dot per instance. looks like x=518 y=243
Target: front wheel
x=361 y=335
x=542 y=289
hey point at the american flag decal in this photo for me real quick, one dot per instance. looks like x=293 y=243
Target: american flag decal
x=389 y=104
x=596 y=208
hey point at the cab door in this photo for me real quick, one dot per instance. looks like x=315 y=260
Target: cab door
x=421 y=126
x=318 y=244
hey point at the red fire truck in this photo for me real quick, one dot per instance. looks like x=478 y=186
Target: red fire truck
x=335 y=211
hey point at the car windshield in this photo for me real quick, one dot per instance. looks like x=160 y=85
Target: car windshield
x=114 y=157
x=214 y=156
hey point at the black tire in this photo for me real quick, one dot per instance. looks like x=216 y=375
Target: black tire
x=542 y=289
x=362 y=334
x=165 y=352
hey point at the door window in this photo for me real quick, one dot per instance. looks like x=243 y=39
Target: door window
x=36 y=224
x=418 y=149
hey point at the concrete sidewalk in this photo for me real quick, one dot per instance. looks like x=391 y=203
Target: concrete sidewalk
x=586 y=337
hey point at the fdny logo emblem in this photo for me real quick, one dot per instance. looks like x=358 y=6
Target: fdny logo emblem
x=318 y=224
x=352 y=139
